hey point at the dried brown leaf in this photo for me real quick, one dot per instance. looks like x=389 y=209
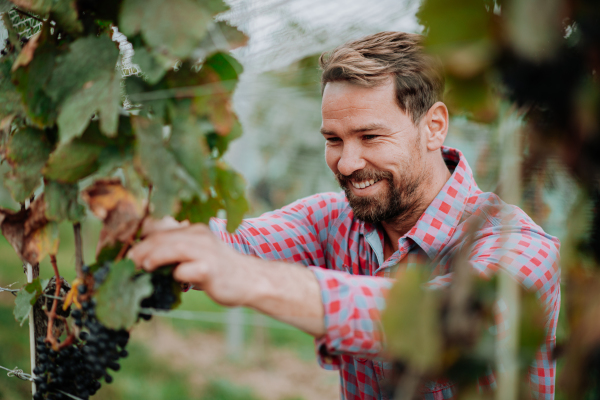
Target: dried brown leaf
x=118 y=209
x=29 y=232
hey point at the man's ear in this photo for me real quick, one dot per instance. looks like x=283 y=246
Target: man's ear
x=436 y=125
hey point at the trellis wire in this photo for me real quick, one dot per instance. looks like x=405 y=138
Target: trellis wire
x=18 y=373
x=14 y=291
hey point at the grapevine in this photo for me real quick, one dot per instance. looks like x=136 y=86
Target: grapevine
x=74 y=147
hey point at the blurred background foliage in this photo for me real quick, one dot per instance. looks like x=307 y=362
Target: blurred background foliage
x=521 y=67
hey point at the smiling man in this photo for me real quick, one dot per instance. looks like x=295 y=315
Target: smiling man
x=325 y=263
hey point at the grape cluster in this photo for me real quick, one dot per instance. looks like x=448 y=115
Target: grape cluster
x=77 y=369
x=163 y=296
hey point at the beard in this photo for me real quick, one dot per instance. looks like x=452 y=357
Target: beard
x=396 y=203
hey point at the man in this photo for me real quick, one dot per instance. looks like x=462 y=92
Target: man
x=324 y=263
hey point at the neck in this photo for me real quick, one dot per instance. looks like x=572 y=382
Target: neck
x=399 y=226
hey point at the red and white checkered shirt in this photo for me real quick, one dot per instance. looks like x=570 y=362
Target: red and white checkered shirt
x=346 y=256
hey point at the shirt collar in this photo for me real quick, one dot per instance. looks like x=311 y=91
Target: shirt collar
x=439 y=221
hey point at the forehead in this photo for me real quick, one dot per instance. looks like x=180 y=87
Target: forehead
x=348 y=103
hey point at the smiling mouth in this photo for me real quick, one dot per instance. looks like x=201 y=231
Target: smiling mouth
x=364 y=184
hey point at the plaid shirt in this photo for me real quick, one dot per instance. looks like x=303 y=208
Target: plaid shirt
x=346 y=256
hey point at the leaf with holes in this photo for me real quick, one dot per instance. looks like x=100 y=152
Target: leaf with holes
x=118 y=298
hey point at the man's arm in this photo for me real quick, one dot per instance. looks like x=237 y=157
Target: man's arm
x=284 y=291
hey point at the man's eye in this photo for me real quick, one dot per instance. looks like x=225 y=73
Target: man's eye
x=369 y=137
x=333 y=139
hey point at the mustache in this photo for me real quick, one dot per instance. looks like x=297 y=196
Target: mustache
x=362 y=175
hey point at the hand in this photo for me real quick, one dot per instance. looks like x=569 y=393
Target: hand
x=201 y=258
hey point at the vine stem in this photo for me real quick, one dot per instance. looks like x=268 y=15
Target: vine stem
x=52 y=314
x=78 y=250
x=138 y=228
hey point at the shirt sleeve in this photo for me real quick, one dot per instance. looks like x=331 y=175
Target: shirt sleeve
x=295 y=233
x=352 y=304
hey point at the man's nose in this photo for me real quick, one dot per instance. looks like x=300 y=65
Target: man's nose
x=351 y=160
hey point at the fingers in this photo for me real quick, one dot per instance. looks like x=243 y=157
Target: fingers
x=172 y=246
x=161 y=249
x=193 y=272
x=152 y=225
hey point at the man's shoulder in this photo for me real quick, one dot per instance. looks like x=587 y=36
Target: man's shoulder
x=500 y=217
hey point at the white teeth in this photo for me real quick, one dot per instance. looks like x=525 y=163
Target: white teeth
x=362 y=185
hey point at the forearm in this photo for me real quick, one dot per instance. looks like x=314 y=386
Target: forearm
x=287 y=292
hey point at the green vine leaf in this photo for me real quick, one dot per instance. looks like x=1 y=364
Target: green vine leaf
x=32 y=75
x=27 y=152
x=118 y=299
x=27 y=297
x=91 y=153
x=174 y=27
x=171 y=179
x=154 y=66
x=231 y=187
x=198 y=211
x=10 y=99
x=62 y=202
x=73 y=161
x=102 y=96
x=85 y=82
x=25 y=300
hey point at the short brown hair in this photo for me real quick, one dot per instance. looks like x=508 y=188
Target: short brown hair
x=370 y=61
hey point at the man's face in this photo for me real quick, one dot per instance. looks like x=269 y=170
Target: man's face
x=374 y=149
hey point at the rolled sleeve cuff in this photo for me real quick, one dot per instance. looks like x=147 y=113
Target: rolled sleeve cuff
x=352 y=306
